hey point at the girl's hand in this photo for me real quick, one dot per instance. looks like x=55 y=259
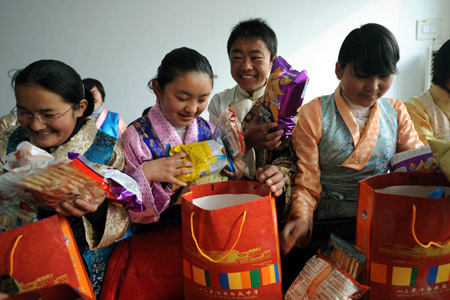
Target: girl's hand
x=272 y=177
x=293 y=232
x=165 y=169
x=80 y=207
x=239 y=165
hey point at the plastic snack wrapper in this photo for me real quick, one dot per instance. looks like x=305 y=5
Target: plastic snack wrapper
x=284 y=94
x=414 y=160
x=25 y=154
x=322 y=279
x=208 y=157
x=13 y=216
x=229 y=130
x=50 y=182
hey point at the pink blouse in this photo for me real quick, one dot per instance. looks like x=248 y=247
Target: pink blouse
x=155 y=198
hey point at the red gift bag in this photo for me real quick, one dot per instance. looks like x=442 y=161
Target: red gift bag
x=230 y=242
x=42 y=254
x=405 y=235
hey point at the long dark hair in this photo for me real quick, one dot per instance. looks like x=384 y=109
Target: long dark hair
x=58 y=78
x=441 y=66
x=372 y=49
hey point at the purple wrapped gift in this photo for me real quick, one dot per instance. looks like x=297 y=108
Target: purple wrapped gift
x=283 y=96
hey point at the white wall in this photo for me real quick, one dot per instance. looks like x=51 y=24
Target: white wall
x=121 y=43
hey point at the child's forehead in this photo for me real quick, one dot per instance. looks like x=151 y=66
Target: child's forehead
x=248 y=44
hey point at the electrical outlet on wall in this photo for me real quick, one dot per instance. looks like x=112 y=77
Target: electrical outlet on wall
x=428 y=29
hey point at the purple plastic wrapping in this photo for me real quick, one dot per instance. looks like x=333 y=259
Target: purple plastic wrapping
x=283 y=96
x=122 y=188
x=127 y=199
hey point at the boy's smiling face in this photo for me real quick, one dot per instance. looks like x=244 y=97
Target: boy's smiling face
x=250 y=63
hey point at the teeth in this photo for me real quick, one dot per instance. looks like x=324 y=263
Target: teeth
x=48 y=132
x=247 y=77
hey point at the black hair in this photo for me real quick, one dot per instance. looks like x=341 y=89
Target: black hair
x=179 y=62
x=372 y=49
x=90 y=83
x=441 y=66
x=58 y=78
x=254 y=28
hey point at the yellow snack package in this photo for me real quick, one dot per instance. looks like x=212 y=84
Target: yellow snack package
x=208 y=157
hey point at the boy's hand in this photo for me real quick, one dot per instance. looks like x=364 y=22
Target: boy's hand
x=293 y=231
x=165 y=169
x=258 y=135
x=239 y=165
x=272 y=177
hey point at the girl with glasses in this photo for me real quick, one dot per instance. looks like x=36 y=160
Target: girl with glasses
x=52 y=108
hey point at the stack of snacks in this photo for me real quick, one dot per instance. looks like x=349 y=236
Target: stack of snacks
x=61 y=182
x=321 y=278
x=52 y=181
x=284 y=94
x=345 y=255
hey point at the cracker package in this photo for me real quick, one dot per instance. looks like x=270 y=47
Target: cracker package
x=208 y=157
x=414 y=160
x=348 y=257
x=322 y=279
x=229 y=130
x=61 y=182
x=49 y=182
x=284 y=94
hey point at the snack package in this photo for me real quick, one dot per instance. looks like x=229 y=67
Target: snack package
x=441 y=150
x=208 y=157
x=284 y=94
x=13 y=216
x=345 y=256
x=61 y=182
x=323 y=279
x=50 y=182
x=414 y=160
x=229 y=130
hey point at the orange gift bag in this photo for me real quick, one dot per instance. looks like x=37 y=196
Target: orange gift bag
x=405 y=235
x=230 y=242
x=43 y=254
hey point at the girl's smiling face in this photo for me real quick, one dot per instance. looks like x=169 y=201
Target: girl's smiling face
x=185 y=98
x=58 y=117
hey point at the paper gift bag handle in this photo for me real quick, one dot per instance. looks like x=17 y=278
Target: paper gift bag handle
x=413 y=223
x=11 y=256
x=228 y=252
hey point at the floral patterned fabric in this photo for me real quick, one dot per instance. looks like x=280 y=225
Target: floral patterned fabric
x=156 y=196
x=430 y=113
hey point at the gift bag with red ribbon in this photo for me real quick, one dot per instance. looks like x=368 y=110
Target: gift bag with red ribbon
x=230 y=242
x=404 y=230
x=43 y=254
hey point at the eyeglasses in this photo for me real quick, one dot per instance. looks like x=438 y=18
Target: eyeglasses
x=44 y=118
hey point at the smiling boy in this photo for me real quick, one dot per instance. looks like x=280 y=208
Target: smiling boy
x=251 y=48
